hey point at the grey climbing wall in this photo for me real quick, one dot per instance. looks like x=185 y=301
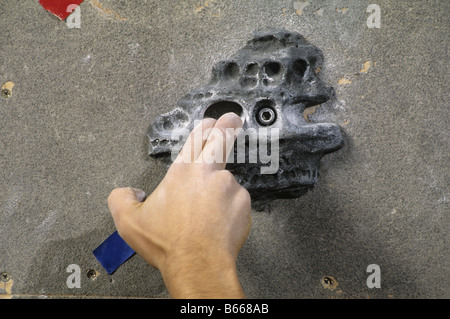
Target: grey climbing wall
x=77 y=103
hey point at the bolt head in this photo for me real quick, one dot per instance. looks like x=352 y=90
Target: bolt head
x=4 y=276
x=5 y=93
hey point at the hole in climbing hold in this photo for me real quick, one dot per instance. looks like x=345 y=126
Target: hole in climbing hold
x=300 y=66
x=272 y=69
x=231 y=70
x=251 y=69
x=218 y=109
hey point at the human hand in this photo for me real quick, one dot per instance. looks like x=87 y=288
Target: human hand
x=195 y=222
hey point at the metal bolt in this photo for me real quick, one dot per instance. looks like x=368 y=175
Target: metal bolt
x=329 y=282
x=92 y=274
x=266 y=116
x=5 y=277
x=5 y=93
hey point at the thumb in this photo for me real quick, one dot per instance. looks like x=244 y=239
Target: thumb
x=123 y=200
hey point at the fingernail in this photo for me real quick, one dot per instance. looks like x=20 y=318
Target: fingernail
x=140 y=194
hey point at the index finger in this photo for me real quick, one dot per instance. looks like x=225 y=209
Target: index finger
x=220 y=141
x=193 y=146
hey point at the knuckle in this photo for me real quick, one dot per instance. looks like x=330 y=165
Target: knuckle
x=116 y=200
x=226 y=176
x=114 y=193
x=245 y=196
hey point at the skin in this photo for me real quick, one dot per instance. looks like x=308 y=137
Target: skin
x=195 y=222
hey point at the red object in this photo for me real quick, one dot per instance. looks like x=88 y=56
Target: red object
x=60 y=7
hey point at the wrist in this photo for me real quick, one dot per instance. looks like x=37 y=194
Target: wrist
x=202 y=276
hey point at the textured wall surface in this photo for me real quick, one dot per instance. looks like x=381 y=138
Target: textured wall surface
x=75 y=124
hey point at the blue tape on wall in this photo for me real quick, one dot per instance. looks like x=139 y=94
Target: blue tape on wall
x=113 y=252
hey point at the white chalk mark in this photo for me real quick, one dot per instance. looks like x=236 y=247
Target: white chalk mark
x=46 y=225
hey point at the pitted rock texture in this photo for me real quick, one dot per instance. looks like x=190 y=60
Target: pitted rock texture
x=268 y=83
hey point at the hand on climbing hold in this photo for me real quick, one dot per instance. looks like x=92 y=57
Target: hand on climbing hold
x=195 y=222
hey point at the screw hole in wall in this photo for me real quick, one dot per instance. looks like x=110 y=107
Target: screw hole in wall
x=329 y=282
x=4 y=276
x=92 y=274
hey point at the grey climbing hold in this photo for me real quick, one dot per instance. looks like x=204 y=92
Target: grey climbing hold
x=268 y=83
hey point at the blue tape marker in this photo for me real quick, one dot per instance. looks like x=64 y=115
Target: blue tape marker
x=113 y=252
